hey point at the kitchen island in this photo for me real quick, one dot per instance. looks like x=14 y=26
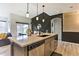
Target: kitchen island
x=34 y=45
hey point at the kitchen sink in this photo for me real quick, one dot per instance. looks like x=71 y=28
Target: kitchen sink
x=43 y=35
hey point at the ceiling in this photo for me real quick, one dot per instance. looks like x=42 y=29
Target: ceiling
x=50 y=8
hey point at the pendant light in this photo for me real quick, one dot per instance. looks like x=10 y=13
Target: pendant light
x=43 y=20
x=27 y=13
x=37 y=18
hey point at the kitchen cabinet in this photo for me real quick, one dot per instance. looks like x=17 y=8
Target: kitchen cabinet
x=47 y=47
x=36 y=49
x=35 y=45
x=55 y=41
x=52 y=44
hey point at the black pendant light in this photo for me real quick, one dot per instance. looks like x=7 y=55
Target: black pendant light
x=27 y=13
x=37 y=18
x=43 y=20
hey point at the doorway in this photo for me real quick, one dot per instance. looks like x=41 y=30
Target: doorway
x=56 y=27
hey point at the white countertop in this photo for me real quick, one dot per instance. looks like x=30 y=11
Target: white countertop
x=23 y=41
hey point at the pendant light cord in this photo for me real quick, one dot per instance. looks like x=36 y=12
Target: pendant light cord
x=43 y=11
x=27 y=12
x=27 y=7
x=37 y=9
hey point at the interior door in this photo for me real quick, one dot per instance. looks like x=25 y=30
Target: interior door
x=56 y=27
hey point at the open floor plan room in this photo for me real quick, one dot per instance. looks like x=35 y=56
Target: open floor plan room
x=39 y=29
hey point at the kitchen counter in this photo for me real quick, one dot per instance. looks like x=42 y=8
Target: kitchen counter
x=30 y=39
x=23 y=42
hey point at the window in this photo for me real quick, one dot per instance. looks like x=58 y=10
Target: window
x=22 y=28
x=3 y=27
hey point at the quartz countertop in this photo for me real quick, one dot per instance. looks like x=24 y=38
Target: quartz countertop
x=23 y=41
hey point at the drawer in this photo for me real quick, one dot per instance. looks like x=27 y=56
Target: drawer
x=34 y=45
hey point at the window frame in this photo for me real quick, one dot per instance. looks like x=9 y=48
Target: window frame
x=22 y=23
x=5 y=26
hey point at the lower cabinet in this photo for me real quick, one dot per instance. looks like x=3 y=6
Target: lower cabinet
x=40 y=48
x=47 y=47
x=43 y=48
x=55 y=41
x=36 y=49
x=16 y=50
x=52 y=44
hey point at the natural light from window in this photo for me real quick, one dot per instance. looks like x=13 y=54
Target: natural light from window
x=21 y=29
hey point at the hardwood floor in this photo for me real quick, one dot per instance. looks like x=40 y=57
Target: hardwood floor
x=63 y=49
x=68 y=49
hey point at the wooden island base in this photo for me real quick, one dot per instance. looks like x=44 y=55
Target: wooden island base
x=34 y=46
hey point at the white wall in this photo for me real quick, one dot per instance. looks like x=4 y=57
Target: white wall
x=5 y=13
x=15 y=18
x=4 y=10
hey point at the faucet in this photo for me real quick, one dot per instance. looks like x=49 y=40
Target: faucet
x=39 y=32
x=39 y=27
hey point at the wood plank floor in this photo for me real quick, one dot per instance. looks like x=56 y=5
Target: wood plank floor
x=68 y=49
x=64 y=49
x=5 y=50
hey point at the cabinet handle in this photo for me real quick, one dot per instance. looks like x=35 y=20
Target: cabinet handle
x=34 y=45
